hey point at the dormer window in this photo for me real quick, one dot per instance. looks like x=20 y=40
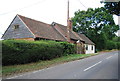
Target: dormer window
x=16 y=27
x=53 y=24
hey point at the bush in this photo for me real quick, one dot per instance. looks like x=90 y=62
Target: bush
x=21 y=52
x=69 y=48
x=118 y=45
x=111 y=45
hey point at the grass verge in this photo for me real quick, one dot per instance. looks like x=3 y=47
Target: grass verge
x=17 y=69
x=108 y=51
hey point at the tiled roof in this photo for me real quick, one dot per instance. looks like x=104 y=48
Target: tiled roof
x=86 y=39
x=42 y=30
x=73 y=35
x=47 y=31
x=76 y=34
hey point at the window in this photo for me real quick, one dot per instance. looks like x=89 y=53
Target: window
x=86 y=47
x=92 y=47
x=16 y=26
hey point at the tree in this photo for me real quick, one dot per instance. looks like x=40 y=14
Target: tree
x=97 y=24
x=110 y=31
x=113 y=7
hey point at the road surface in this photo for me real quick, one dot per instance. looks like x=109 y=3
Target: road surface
x=102 y=66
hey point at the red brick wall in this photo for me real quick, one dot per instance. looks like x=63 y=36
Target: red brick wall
x=71 y=41
x=31 y=39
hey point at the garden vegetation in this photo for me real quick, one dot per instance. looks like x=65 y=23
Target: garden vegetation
x=21 y=51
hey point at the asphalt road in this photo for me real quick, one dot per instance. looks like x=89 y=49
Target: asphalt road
x=102 y=66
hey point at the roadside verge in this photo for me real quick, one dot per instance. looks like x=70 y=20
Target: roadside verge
x=8 y=71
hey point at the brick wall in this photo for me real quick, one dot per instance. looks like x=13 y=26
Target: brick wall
x=31 y=39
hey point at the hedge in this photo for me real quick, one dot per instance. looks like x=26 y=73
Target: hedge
x=21 y=52
x=69 y=48
x=112 y=45
x=118 y=45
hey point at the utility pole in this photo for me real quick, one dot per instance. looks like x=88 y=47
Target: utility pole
x=68 y=24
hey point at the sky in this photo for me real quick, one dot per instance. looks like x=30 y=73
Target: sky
x=43 y=10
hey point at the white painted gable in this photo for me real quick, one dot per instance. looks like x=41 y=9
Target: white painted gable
x=89 y=49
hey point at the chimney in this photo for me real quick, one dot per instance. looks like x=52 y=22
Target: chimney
x=69 y=24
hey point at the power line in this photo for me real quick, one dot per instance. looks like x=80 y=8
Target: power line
x=20 y=9
x=82 y=4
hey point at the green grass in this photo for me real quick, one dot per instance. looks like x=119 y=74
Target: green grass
x=16 y=69
x=108 y=50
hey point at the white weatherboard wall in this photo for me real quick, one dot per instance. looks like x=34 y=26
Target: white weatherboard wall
x=89 y=50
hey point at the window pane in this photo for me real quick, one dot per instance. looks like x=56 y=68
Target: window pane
x=92 y=47
x=86 y=47
x=16 y=26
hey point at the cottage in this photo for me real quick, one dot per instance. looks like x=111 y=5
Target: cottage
x=24 y=28
x=89 y=45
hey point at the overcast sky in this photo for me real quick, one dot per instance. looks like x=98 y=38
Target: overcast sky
x=42 y=10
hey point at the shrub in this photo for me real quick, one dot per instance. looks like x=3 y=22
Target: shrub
x=111 y=45
x=69 y=48
x=118 y=45
x=21 y=51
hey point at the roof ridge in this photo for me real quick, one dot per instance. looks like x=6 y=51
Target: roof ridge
x=60 y=24
x=59 y=32
x=39 y=21
x=33 y=19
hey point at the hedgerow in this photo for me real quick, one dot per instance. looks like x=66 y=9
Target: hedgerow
x=112 y=45
x=21 y=51
x=69 y=48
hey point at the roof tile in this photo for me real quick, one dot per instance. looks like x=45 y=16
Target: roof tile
x=87 y=40
x=41 y=29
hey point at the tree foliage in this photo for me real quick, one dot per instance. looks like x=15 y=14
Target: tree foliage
x=113 y=7
x=97 y=24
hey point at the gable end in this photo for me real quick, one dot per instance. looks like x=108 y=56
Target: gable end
x=21 y=32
